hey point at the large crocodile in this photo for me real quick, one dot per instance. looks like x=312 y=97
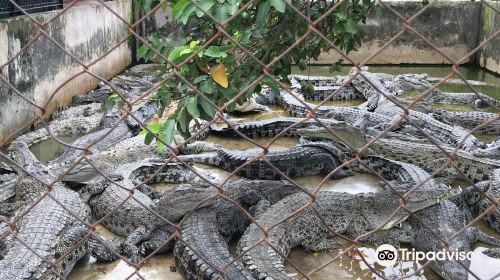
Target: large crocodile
x=296 y=108
x=127 y=151
x=300 y=160
x=50 y=234
x=207 y=230
x=381 y=99
x=441 y=222
x=126 y=214
x=478 y=204
x=481 y=122
x=61 y=128
x=106 y=137
x=443 y=133
x=324 y=87
x=427 y=156
x=349 y=214
x=478 y=100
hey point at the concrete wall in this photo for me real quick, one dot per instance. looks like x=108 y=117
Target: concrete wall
x=86 y=31
x=451 y=25
x=489 y=57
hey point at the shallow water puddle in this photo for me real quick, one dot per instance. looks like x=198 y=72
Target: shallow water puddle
x=50 y=149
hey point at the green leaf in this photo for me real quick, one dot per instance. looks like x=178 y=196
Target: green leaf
x=186 y=13
x=186 y=52
x=192 y=106
x=146 y=5
x=155 y=40
x=212 y=51
x=199 y=79
x=169 y=130
x=231 y=9
x=221 y=13
x=148 y=138
x=207 y=87
x=193 y=44
x=339 y=28
x=110 y=102
x=262 y=11
x=142 y=51
x=349 y=26
x=175 y=55
x=155 y=127
x=206 y=5
x=207 y=107
x=183 y=119
x=279 y=5
x=343 y=6
x=179 y=7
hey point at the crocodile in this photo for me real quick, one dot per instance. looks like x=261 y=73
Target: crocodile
x=100 y=140
x=324 y=87
x=441 y=222
x=478 y=204
x=50 y=235
x=127 y=151
x=79 y=111
x=427 y=156
x=128 y=86
x=444 y=133
x=470 y=120
x=208 y=230
x=472 y=99
x=298 y=161
x=382 y=99
x=349 y=214
x=274 y=126
x=8 y=180
x=295 y=108
x=130 y=217
x=61 y=128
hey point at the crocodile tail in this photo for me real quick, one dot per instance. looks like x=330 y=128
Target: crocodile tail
x=212 y=159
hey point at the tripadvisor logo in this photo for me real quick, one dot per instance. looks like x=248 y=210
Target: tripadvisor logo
x=387 y=255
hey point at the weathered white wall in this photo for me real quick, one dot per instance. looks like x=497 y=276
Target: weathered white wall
x=86 y=31
x=489 y=56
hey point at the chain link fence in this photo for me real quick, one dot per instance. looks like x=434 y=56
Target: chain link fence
x=14 y=230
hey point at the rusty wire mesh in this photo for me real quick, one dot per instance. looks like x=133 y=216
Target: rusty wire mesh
x=311 y=31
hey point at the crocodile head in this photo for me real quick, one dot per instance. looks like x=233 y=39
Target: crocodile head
x=424 y=197
x=110 y=118
x=20 y=153
x=417 y=200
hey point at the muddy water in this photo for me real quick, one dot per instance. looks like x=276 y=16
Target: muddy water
x=50 y=149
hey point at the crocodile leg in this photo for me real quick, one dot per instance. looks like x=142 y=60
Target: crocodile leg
x=395 y=236
x=102 y=253
x=71 y=238
x=492 y=253
x=478 y=235
x=8 y=208
x=130 y=246
x=158 y=239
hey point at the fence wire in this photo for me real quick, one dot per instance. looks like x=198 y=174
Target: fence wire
x=55 y=266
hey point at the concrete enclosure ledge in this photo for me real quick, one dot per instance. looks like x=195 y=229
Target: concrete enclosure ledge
x=454 y=27
x=86 y=31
